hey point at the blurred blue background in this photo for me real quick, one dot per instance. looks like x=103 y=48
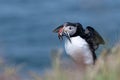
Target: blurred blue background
x=26 y=26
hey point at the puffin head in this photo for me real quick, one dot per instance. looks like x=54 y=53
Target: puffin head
x=68 y=29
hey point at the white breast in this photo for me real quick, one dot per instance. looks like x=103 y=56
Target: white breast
x=78 y=48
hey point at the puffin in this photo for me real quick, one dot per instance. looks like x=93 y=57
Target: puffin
x=80 y=43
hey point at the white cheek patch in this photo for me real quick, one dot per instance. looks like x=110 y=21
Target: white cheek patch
x=73 y=31
x=70 y=31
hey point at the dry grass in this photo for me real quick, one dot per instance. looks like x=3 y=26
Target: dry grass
x=107 y=67
x=9 y=72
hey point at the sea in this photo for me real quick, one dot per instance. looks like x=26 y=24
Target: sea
x=26 y=26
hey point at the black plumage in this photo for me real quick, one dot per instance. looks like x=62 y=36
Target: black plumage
x=90 y=35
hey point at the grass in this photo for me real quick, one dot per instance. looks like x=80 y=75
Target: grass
x=107 y=67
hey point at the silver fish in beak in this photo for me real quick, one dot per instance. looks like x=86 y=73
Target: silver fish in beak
x=61 y=32
x=67 y=35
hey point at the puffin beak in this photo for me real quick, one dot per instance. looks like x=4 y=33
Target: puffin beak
x=60 y=31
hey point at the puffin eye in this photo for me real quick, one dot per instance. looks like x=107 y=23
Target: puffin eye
x=70 y=28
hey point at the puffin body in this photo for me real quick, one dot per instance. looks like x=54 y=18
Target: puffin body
x=79 y=48
x=80 y=43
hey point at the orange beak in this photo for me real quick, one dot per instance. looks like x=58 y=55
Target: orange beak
x=59 y=30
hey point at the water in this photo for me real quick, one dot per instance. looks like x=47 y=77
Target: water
x=26 y=26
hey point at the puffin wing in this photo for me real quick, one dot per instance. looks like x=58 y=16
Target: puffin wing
x=93 y=37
